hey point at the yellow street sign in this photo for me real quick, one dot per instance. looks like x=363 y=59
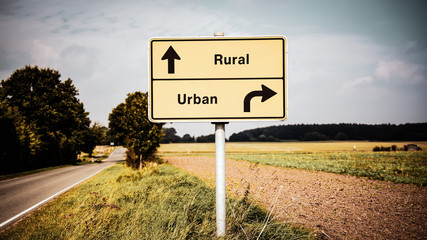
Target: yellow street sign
x=217 y=79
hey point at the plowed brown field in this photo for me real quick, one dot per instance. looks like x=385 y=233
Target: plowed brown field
x=334 y=206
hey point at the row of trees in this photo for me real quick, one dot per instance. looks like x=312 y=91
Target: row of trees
x=323 y=132
x=315 y=132
x=171 y=137
x=42 y=122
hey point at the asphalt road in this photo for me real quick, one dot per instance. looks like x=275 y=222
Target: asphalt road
x=21 y=195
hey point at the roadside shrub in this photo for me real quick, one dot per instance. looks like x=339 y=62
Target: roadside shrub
x=412 y=147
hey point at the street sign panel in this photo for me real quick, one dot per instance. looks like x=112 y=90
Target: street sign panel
x=217 y=79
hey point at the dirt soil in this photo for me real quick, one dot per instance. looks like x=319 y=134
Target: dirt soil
x=334 y=206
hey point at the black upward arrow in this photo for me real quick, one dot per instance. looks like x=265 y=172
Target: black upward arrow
x=171 y=55
x=266 y=93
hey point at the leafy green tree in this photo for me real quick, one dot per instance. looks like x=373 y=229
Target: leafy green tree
x=101 y=133
x=170 y=136
x=341 y=136
x=49 y=120
x=116 y=124
x=205 y=139
x=315 y=136
x=95 y=135
x=187 y=138
x=11 y=144
x=130 y=125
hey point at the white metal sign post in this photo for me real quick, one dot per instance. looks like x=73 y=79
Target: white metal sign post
x=220 y=178
x=220 y=195
x=218 y=80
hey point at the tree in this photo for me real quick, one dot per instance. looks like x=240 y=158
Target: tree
x=170 y=136
x=240 y=137
x=101 y=134
x=207 y=138
x=116 y=124
x=11 y=145
x=129 y=123
x=315 y=136
x=95 y=135
x=187 y=138
x=341 y=136
x=49 y=120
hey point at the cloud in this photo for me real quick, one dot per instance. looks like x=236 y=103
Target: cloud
x=5 y=61
x=334 y=57
x=12 y=60
x=399 y=71
x=43 y=54
x=386 y=75
x=362 y=81
x=78 y=61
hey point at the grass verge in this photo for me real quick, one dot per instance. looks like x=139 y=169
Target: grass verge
x=399 y=167
x=158 y=202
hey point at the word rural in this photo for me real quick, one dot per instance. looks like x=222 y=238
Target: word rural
x=221 y=60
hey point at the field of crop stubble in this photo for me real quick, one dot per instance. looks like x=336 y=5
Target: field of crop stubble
x=347 y=205
x=352 y=158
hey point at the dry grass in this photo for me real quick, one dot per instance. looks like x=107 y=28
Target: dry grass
x=157 y=202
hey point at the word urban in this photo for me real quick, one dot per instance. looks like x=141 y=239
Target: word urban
x=219 y=59
x=196 y=99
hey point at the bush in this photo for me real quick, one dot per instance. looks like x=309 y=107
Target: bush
x=385 y=149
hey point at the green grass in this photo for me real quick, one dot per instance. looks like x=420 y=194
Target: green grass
x=158 y=202
x=399 y=167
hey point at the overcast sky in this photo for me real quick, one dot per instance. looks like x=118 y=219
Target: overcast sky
x=361 y=61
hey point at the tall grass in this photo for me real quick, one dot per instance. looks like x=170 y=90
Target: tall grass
x=158 y=202
x=399 y=167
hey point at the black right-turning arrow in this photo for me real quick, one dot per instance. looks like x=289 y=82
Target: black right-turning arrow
x=266 y=93
x=171 y=55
